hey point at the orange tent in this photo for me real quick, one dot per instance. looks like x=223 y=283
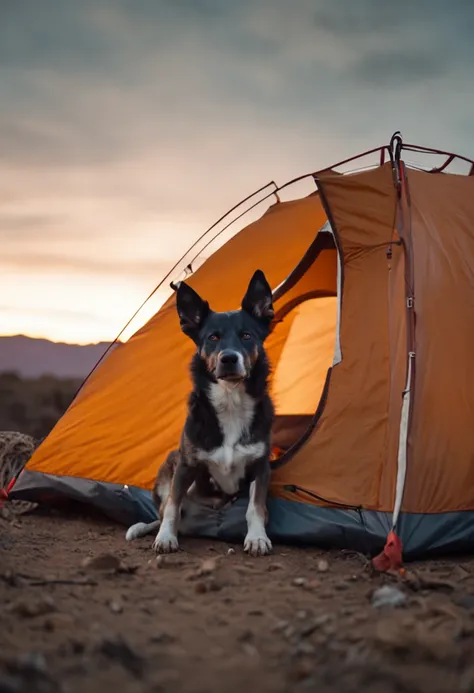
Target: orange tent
x=373 y=380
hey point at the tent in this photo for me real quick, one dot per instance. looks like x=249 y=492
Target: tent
x=373 y=375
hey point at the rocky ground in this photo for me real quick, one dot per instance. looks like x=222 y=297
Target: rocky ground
x=82 y=610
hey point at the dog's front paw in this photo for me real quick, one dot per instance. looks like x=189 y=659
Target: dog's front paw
x=257 y=544
x=165 y=543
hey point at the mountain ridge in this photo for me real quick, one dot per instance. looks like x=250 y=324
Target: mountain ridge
x=33 y=357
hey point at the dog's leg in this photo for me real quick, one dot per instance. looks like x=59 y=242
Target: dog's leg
x=257 y=542
x=167 y=538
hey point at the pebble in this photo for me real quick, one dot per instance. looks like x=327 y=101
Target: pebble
x=58 y=622
x=161 y=637
x=466 y=601
x=300 y=582
x=275 y=566
x=115 y=607
x=249 y=649
x=117 y=648
x=200 y=588
x=301 y=615
x=315 y=623
x=31 y=608
x=8 y=684
x=207 y=567
x=105 y=562
x=230 y=552
x=323 y=566
x=304 y=648
x=33 y=661
x=289 y=632
x=388 y=596
x=160 y=561
x=303 y=669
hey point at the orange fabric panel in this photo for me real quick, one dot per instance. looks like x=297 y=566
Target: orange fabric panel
x=397 y=335
x=309 y=351
x=343 y=459
x=320 y=277
x=440 y=473
x=131 y=411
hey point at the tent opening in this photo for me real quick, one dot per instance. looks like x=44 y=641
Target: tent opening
x=299 y=376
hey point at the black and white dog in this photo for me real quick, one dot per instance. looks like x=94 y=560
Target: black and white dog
x=225 y=443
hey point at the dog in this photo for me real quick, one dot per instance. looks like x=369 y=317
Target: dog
x=226 y=441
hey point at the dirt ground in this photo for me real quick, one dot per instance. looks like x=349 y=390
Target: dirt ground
x=82 y=610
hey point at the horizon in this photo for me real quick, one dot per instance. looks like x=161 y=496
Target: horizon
x=128 y=130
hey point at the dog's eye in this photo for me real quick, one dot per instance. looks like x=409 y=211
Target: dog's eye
x=246 y=336
x=213 y=337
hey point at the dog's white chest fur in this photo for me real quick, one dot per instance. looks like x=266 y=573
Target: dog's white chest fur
x=234 y=410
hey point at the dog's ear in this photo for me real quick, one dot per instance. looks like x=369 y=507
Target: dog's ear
x=258 y=299
x=192 y=310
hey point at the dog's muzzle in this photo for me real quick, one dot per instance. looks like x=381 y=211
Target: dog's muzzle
x=230 y=366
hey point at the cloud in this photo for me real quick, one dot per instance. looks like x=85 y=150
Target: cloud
x=127 y=128
x=380 y=68
x=85 y=265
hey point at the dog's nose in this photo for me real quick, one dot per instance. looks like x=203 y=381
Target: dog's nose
x=228 y=357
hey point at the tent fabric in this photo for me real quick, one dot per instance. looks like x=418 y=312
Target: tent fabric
x=352 y=431
x=289 y=521
x=366 y=281
x=441 y=441
x=130 y=413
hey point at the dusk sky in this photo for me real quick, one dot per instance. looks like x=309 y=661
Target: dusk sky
x=128 y=127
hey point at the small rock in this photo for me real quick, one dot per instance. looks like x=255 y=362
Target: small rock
x=32 y=661
x=275 y=566
x=117 y=648
x=106 y=562
x=115 y=607
x=289 y=632
x=9 y=684
x=187 y=607
x=303 y=669
x=249 y=649
x=323 y=566
x=300 y=582
x=159 y=562
x=466 y=601
x=30 y=609
x=245 y=636
x=162 y=637
x=303 y=648
x=388 y=596
x=207 y=567
x=230 y=552
x=314 y=624
x=302 y=615
x=281 y=625
x=58 y=622
x=348 y=610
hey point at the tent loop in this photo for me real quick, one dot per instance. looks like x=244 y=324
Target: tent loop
x=394 y=150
